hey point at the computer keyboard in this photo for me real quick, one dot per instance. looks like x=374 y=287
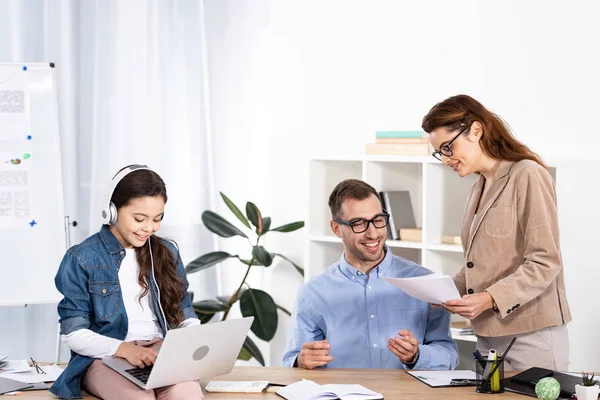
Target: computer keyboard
x=141 y=374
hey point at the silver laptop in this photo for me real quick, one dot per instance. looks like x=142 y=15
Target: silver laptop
x=189 y=354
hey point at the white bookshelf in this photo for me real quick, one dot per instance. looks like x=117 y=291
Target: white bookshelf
x=437 y=195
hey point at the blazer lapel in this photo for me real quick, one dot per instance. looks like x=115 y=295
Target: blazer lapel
x=470 y=213
x=499 y=183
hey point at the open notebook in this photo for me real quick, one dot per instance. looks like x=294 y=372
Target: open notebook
x=309 y=390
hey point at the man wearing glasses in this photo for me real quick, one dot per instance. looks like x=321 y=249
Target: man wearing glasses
x=349 y=317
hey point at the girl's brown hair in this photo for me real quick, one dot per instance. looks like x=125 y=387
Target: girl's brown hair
x=497 y=141
x=142 y=183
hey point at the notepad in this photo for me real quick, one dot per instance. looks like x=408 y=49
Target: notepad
x=309 y=390
x=433 y=288
x=441 y=378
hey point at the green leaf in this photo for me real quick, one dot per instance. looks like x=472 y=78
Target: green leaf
x=206 y=261
x=204 y=318
x=244 y=354
x=298 y=268
x=209 y=306
x=247 y=262
x=261 y=306
x=219 y=225
x=284 y=310
x=235 y=210
x=294 y=226
x=253 y=214
x=266 y=225
x=252 y=350
x=261 y=255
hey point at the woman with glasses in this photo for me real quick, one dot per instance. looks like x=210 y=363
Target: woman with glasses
x=512 y=282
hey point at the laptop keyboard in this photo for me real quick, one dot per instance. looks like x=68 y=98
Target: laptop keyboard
x=141 y=374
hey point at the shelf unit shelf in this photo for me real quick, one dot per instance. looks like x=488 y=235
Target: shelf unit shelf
x=437 y=196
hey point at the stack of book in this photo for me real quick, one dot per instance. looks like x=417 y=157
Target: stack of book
x=412 y=143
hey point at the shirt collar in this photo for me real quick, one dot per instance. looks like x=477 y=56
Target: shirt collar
x=109 y=240
x=380 y=270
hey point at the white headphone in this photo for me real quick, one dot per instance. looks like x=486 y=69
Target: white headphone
x=109 y=216
x=109 y=210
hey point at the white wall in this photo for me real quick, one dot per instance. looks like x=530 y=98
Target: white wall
x=295 y=79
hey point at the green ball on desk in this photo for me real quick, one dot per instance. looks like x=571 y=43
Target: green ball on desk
x=547 y=389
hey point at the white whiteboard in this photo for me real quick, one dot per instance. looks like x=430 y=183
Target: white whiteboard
x=32 y=227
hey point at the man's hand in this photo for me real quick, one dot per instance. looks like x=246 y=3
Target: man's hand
x=471 y=305
x=404 y=346
x=136 y=355
x=314 y=354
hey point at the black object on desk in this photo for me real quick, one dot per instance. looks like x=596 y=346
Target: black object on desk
x=524 y=382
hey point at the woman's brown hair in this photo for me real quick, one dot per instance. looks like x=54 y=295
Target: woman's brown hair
x=142 y=183
x=497 y=141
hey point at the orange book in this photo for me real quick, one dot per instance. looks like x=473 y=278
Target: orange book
x=400 y=149
x=402 y=141
x=411 y=234
x=451 y=239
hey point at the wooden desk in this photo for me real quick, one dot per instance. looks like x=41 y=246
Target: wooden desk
x=391 y=383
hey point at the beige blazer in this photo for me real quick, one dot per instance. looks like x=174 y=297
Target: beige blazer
x=512 y=251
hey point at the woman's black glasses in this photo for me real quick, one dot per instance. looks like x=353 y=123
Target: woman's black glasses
x=446 y=150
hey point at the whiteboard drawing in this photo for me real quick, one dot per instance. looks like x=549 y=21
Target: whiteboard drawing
x=14 y=103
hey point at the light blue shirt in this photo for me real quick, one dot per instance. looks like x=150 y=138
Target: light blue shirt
x=358 y=313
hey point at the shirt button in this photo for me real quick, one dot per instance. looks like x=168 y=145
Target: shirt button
x=374 y=345
x=470 y=291
x=103 y=290
x=369 y=286
x=121 y=252
x=354 y=277
x=372 y=315
x=359 y=273
x=469 y=264
x=508 y=311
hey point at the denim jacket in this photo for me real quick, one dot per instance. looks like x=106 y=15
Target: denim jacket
x=88 y=278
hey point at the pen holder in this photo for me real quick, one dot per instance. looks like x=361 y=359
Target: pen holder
x=490 y=375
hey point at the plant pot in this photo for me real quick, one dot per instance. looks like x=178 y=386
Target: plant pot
x=587 y=392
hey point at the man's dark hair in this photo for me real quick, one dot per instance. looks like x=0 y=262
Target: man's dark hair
x=349 y=189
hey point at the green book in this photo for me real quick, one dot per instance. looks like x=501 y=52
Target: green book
x=398 y=134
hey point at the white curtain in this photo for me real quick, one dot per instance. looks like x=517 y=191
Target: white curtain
x=132 y=88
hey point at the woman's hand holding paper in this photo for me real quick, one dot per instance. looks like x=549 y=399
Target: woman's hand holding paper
x=471 y=305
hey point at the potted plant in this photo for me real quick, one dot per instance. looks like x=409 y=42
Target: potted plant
x=588 y=389
x=253 y=302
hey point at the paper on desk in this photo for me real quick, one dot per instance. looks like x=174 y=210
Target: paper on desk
x=441 y=377
x=432 y=288
x=15 y=366
x=31 y=376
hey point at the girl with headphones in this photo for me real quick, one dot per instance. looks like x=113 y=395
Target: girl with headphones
x=123 y=288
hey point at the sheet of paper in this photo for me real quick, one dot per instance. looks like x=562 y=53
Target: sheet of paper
x=15 y=366
x=442 y=378
x=16 y=188
x=52 y=372
x=432 y=288
x=14 y=103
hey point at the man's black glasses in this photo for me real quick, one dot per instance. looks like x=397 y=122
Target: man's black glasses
x=360 y=225
x=37 y=366
x=446 y=150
